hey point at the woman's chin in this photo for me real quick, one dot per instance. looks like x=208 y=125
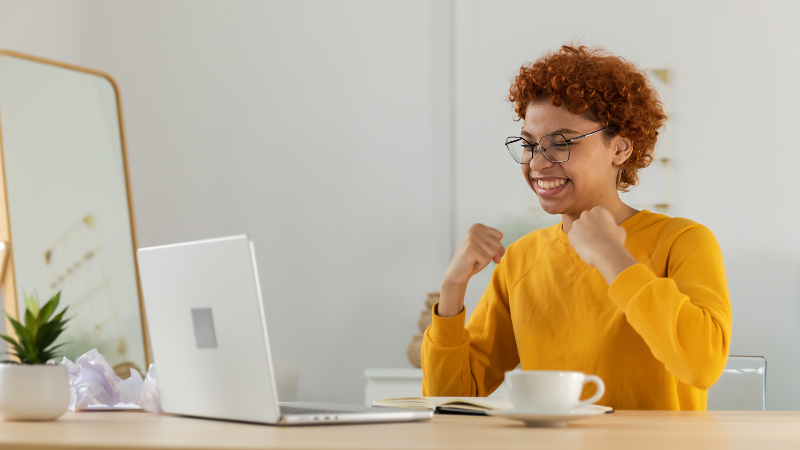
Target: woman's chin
x=552 y=207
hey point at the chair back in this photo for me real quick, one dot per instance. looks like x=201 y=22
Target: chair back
x=742 y=385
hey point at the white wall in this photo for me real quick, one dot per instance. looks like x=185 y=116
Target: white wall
x=735 y=94
x=306 y=125
x=46 y=28
x=216 y=94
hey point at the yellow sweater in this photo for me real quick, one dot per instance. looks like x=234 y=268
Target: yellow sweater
x=658 y=336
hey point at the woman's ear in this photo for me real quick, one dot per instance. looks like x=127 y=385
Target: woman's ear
x=623 y=147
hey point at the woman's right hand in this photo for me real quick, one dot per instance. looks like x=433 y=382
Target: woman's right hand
x=479 y=247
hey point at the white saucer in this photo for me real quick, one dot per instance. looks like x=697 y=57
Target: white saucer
x=544 y=419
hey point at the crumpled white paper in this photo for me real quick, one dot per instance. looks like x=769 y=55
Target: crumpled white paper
x=150 y=400
x=92 y=380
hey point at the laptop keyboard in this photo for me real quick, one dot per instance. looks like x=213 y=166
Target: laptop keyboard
x=290 y=410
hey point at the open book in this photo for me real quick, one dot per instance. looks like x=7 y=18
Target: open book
x=456 y=405
x=463 y=405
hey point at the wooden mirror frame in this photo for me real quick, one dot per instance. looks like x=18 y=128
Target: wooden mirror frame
x=7 y=278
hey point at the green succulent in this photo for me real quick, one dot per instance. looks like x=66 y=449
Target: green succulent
x=34 y=343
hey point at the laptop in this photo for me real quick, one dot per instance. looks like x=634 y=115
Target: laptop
x=208 y=332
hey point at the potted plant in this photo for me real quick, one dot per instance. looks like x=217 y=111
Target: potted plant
x=31 y=389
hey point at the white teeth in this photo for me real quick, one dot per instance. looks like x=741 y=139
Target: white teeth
x=551 y=184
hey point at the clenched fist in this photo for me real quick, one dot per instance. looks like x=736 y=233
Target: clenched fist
x=600 y=242
x=479 y=247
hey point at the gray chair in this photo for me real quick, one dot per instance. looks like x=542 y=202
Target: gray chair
x=742 y=385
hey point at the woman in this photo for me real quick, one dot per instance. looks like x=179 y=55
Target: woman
x=638 y=298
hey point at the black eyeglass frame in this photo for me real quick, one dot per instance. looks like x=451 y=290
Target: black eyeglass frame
x=536 y=146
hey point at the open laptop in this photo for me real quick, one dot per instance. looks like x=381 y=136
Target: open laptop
x=209 y=337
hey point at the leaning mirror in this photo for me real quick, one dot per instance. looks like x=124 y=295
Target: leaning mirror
x=65 y=207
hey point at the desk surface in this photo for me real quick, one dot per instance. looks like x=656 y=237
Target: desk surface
x=621 y=430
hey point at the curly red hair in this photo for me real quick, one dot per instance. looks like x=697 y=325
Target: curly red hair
x=604 y=88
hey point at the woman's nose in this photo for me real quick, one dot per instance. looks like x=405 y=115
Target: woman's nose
x=539 y=162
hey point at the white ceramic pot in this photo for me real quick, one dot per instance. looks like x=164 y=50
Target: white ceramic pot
x=33 y=392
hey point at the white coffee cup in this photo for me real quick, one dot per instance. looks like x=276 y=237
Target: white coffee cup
x=550 y=390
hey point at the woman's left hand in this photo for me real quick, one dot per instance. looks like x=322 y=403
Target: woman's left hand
x=600 y=242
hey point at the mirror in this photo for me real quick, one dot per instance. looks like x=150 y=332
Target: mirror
x=66 y=211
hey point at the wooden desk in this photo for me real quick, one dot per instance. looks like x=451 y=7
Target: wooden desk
x=621 y=430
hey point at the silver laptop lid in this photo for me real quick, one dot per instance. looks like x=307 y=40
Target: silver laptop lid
x=208 y=329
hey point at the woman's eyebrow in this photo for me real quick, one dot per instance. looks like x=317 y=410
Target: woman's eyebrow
x=559 y=131
x=564 y=130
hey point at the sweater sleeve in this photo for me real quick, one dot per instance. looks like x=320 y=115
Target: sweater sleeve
x=471 y=361
x=684 y=318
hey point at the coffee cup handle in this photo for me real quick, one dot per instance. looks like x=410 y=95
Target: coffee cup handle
x=601 y=389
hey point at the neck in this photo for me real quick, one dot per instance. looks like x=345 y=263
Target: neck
x=615 y=206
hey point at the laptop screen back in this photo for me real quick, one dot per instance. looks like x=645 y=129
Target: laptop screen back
x=208 y=330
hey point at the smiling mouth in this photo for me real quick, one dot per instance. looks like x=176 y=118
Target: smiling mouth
x=551 y=185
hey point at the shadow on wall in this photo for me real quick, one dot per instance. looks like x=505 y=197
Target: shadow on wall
x=765 y=297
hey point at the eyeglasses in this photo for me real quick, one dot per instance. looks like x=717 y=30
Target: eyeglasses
x=554 y=147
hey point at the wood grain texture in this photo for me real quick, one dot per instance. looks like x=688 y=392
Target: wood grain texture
x=681 y=430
